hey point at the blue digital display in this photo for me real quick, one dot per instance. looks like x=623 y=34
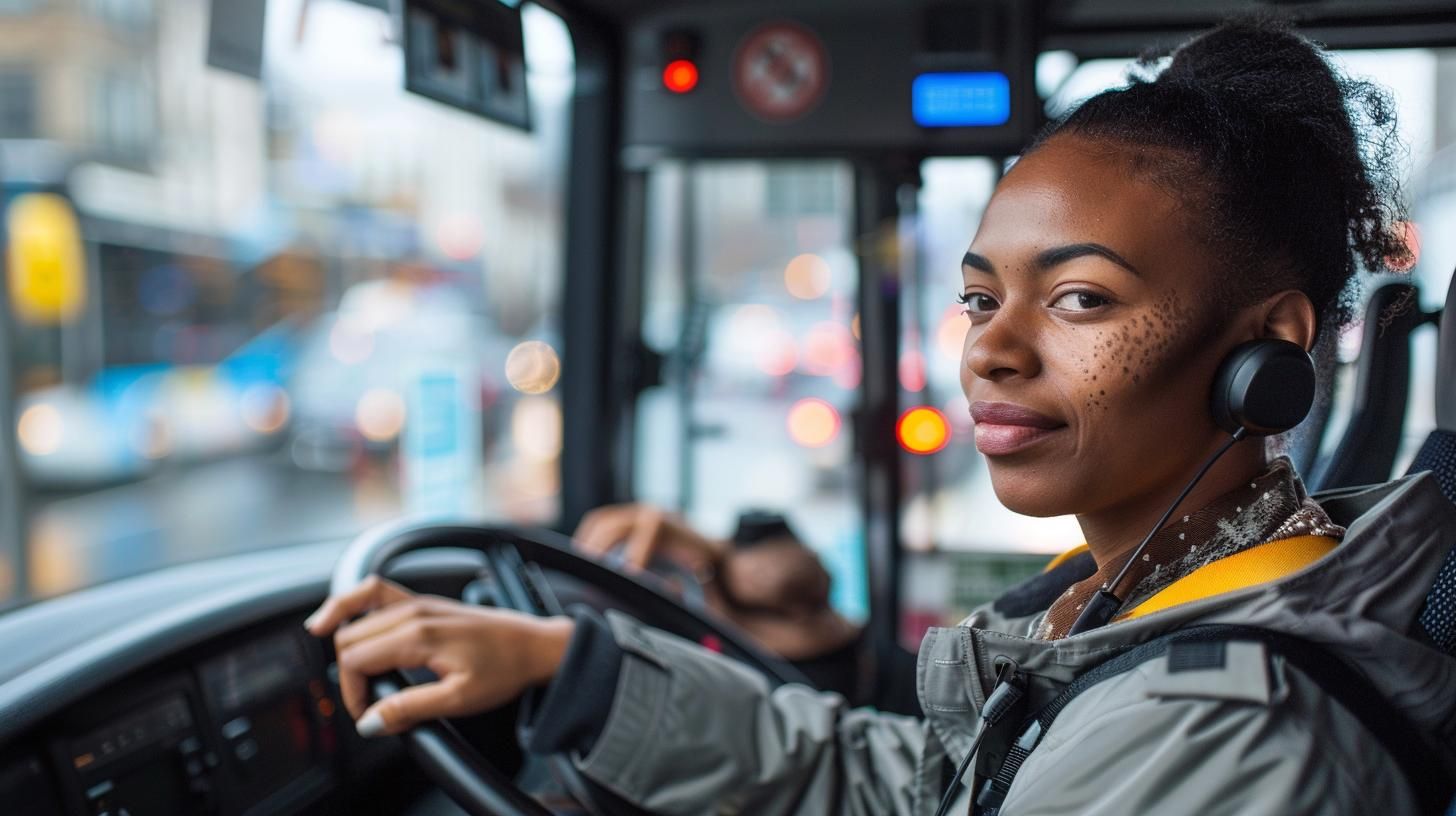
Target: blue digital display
x=962 y=99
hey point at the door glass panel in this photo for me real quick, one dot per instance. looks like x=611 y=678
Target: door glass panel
x=750 y=295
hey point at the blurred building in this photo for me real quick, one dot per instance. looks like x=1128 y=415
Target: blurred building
x=116 y=85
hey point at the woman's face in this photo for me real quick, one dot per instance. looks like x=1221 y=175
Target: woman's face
x=1094 y=333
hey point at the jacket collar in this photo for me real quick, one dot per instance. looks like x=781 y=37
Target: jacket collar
x=1361 y=601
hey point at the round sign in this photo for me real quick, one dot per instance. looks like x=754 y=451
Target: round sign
x=780 y=71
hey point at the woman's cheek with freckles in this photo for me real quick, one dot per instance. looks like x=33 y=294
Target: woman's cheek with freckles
x=1124 y=361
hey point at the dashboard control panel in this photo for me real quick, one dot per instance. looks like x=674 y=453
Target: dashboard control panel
x=241 y=731
x=273 y=717
x=150 y=760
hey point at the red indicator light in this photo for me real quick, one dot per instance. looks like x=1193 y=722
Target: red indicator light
x=680 y=76
x=923 y=430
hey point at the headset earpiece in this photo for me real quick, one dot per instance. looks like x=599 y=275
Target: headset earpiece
x=1263 y=386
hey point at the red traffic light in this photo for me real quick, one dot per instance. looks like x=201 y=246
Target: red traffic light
x=680 y=76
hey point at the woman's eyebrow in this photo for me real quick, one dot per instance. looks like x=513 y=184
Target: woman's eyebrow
x=1049 y=258
x=980 y=262
x=1059 y=255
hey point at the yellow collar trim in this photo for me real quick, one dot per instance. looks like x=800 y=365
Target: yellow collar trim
x=1064 y=557
x=1257 y=565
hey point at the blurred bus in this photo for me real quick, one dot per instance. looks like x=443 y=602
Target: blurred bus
x=138 y=346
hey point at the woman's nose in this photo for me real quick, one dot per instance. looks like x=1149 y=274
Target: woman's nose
x=1002 y=349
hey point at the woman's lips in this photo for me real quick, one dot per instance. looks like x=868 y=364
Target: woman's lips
x=1004 y=427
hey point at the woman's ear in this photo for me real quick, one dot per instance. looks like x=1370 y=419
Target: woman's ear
x=1290 y=316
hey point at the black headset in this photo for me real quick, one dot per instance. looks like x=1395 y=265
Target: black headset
x=1263 y=387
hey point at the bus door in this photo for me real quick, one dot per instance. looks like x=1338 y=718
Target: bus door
x=750 y=283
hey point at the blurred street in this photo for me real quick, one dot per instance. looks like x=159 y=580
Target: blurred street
x=192 y=512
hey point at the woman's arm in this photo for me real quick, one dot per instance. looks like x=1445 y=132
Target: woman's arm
x=690 y=731
x=687 y=731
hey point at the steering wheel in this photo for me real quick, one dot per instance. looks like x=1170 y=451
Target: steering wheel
x=516 y=559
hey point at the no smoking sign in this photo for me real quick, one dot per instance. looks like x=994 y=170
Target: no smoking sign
x=780 y=71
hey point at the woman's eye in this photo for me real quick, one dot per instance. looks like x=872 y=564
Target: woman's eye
x=1079 y=301
x=977 y=303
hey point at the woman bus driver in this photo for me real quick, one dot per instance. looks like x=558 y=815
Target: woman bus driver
x=1130 y=248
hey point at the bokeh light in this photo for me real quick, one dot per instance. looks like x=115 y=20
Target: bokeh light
x=533 y=367
x=380 y=414
x=41 y=429
x=460 y=237
x=923 y=430
x=813 y=422
x=807 y=277
x=264 y=408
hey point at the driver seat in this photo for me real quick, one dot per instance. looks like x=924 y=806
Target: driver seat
x=1438 y=455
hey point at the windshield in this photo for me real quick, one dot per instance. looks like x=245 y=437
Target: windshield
x=255 y=303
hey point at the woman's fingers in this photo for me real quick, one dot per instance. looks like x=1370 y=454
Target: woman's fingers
x=583 y=539
x=372 y=593
x=403 y=647
x=645 y=532
x=603 y=529
x=644 y=536
x=411 y=706
x=481 y=657
x=354 y=691
x=382 y=620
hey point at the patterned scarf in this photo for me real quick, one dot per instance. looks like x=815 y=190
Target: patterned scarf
x=1272 y=506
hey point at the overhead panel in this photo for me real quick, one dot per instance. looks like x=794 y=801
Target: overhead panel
x=929 y=77
x=469 y=54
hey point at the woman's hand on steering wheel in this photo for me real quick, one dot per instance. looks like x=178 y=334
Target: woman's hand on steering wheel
x=482 y=657
x=645 y=532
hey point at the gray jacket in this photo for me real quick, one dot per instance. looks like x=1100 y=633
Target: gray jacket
x=693 y=733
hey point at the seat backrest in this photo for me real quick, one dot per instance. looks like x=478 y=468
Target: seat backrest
x=1367 y=449
x=1438 y=455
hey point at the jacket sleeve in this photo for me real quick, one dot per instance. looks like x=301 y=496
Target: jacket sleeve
x=692 y=732
x=1158 y=743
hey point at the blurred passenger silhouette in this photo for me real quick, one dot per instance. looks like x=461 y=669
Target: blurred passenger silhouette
x=767 y=582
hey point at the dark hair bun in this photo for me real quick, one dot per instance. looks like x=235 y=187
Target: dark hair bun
x=1294 y=166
